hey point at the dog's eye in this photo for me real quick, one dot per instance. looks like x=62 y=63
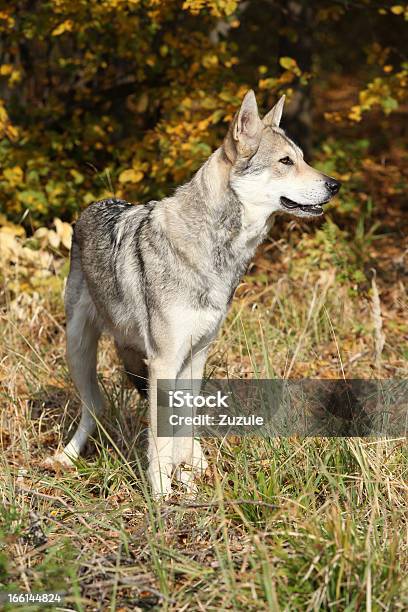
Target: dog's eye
x=287 y=161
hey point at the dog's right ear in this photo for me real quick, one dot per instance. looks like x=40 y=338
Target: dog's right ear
x=245 y=131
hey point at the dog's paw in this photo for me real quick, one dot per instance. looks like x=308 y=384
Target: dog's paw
x=58 y=462
x=189 y=452
x=189 y=472
x=199 y=463
x=160 y=480
x=187 y=477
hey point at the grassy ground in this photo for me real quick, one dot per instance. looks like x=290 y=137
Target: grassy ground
x=278 y=523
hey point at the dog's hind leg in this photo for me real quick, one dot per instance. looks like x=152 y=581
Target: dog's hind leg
x=134 y=362
x=82 y=342
x=82 y=335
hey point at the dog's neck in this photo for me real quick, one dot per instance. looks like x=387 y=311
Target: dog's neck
x=222 y=199
x=208 y=212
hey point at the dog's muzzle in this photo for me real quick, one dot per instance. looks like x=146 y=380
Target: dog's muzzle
x=315 y=209
x=332 y=186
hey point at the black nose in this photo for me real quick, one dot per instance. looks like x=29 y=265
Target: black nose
x=333 y=186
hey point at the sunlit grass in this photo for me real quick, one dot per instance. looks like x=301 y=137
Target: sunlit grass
x=277 y=523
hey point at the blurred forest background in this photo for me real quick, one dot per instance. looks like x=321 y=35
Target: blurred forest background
x=130 y=96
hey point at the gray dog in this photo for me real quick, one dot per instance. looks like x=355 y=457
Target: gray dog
x=160 y=277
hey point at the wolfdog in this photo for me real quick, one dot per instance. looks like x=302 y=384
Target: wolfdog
x=160 y=276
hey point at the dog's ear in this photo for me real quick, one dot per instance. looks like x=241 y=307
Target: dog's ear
x=273 y=118
x=245 y=131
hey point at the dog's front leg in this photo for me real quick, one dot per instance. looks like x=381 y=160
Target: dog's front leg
x=160 y=451
x=187 y=452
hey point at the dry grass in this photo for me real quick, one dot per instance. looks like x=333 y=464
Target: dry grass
x=278 y=524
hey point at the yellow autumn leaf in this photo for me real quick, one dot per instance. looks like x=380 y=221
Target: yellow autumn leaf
x=65 y=26
x=288 y=63
x=58 y=225
x=6 y=69
x=15 y=77
x=397 y=9
x=9 y=246
x=210 y=60
x=13 y=230
x=11 y=132
x=203 y=124
x=29 y=256
x=64 y=231
x=13 y=176
x=66 y=237
x=40 y=233
x=53 y=239
x=130 y=176
x=355 y=113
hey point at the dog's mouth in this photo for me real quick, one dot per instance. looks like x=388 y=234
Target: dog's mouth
x=310 y=209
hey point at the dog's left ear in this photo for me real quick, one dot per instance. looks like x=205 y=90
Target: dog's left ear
x=273 y=118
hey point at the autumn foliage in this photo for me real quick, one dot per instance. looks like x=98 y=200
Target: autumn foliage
x=130 y=96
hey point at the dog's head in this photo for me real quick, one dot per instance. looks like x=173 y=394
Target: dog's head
x=268 y=168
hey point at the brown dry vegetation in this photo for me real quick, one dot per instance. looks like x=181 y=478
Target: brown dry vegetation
x=289 y=523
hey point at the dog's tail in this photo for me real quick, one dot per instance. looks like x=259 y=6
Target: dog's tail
x=76 y=280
